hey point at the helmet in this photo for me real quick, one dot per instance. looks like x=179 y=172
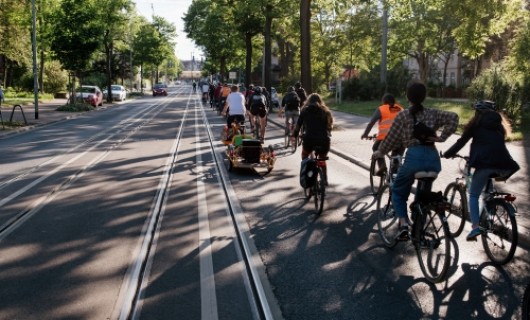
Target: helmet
x=257 y=90
x=298 y=85
x=485 y=105
x=290 y=89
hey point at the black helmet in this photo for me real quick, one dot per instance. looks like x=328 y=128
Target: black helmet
x=298 y=85
x=485 y=105
x=257 y=90
x=290 y=89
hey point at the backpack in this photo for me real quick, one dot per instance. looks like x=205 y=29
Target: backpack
x=422 y=132
x=292 y=101
x=308 y=172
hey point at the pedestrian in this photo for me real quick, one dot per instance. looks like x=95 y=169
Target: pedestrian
x=488 y=155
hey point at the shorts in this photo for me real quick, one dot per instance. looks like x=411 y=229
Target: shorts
x=236 y=117
x=320 y=147
x=258 y=111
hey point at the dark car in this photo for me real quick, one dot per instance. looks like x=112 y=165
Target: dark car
x=159 y=90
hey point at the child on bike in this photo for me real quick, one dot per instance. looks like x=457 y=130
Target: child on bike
x=384 y=115
x=488 y=155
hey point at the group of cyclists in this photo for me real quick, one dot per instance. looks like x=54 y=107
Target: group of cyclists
x=412 y=132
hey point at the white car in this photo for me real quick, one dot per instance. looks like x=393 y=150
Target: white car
x=119 y=93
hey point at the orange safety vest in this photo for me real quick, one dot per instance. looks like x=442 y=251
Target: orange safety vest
x=225 y=92
x=387 y=118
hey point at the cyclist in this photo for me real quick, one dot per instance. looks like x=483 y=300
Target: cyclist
x=385 y=115
x=301 y=93
x=415 y=129
x=236 y=102
x=205 y=87
x=318 y=122
x=194 y=85
x=258 y=108
x=290 y=107
x=488 y=154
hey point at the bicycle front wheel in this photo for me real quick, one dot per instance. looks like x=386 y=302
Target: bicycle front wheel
x=319 y=190
x=387 y=221
x=499 y=232
x=456 y=216
x=432 y=244
x=376 y=182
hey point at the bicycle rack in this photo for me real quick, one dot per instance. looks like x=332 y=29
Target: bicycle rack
x=13 y=112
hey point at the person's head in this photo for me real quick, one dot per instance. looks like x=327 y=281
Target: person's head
x=389 y=99
x=234 y=88
x=298 y=85
x=257 y=90
x=416 y=93
x=290 y=89
x=225 y=85
x=485 y=105
x=251 y=86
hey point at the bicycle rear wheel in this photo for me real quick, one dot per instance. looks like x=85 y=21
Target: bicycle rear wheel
x=432 y=244
x=387 y=221
x=376 y=182
x=456 y=216
x=319 y=190
x=499 y=234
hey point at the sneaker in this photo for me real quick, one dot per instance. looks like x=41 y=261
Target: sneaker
x=403 y=234
x=473 y=234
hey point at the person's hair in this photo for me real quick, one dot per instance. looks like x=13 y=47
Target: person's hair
x=315 y=100
x=416 y=93
x=389 y=99
x=505 y=126
x=234 y=88
x=290 y=89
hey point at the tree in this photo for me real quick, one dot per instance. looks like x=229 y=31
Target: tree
x=305 y=48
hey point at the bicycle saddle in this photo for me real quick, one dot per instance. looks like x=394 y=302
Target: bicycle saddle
x=426 y=174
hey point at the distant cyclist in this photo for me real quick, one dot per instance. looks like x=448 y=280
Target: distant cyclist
x=258 y=109
x=301 y=93
x=316 y=117
x=290 y=107
x=385 y=115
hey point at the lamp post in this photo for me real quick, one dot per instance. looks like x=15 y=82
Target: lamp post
x=34 y=47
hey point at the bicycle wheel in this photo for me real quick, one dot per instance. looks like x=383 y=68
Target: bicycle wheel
x=376 y=182
x=525 y=313
x=456 y=216
x=319 y=190
x=387 y=222
x=499 y=232
x=432 y=243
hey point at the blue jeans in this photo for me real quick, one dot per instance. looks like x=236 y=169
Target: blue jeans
x=417 y=158
x=478 y=182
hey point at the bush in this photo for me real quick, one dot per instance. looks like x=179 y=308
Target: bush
x=368 y=85
x=75 y=107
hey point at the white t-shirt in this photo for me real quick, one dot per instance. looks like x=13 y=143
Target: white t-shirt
x=205 y=88
x=236 y=102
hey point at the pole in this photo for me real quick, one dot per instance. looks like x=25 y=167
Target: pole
x=34 y=47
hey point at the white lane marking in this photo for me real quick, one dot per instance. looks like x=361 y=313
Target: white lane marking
x=208 y=297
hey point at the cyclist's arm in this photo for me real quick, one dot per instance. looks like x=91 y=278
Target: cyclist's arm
x=376 y=116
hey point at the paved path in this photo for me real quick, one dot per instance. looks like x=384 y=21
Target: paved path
x=347 y=143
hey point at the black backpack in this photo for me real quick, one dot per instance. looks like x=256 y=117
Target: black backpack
x=292 y=101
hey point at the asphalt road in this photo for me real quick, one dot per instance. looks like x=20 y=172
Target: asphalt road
x=72 y=257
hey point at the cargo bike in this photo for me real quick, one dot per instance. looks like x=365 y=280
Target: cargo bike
x=243 y=151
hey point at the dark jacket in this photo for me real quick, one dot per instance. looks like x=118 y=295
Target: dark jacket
x=302 y=95
x=488 y=148
x=317 y=123
x=291 y=101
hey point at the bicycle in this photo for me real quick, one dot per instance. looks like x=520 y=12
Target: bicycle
x=318 y=189
x=497 y=222
x=430 y=235
x=376 y=181
x=289 y=139
x=256 y=126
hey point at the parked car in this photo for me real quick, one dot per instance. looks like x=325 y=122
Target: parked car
x=90 y=94
x=274 y=98
x=159 y=90
x=119 y=93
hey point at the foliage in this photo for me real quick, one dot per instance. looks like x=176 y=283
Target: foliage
x=55 y=78
x=76 y=107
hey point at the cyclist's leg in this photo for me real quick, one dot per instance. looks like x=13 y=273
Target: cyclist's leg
x=478 y=182
x=381 y=162
x=263 y=123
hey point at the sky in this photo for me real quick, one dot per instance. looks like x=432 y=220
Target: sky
x=173 y=11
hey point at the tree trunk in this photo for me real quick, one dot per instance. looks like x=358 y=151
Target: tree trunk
x=268 y=51
x=305 y=48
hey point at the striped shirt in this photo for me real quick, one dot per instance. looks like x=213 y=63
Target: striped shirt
x=400 y=134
